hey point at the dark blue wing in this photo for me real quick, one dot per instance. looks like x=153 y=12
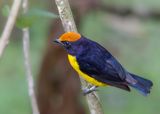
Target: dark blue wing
x=97 y=62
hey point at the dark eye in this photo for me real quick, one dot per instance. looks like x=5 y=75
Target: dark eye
x=67 y=44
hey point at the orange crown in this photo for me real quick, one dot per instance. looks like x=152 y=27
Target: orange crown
x=70 y=36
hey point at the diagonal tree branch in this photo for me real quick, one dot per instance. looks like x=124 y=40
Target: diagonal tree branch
x=4 y=40
x=69 y=25
x=26 y=38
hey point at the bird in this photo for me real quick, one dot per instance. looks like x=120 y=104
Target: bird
x=98 y=66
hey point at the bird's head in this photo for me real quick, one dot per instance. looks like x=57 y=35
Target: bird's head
x=67 y=39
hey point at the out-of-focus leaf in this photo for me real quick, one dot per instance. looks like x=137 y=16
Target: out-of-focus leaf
x=33 y=16
x=41 y=13
x=5 y=10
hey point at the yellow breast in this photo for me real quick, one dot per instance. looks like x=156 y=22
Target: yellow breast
x=86 y=77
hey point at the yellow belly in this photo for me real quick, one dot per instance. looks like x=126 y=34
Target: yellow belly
x=89 y=79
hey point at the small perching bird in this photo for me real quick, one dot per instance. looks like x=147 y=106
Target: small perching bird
x=97 y=66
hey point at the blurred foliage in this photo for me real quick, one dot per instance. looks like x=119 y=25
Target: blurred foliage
x=32 y=16
x=134 y=42
x=5 y=10
x=140 y=4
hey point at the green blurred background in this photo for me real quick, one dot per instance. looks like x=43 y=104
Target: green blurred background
x=134 y=41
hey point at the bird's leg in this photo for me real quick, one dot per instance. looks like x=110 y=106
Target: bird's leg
x=89 y=90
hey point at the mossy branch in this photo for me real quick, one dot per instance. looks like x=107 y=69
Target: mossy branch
x=69 y=25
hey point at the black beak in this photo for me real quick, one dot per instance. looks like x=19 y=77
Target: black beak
x=56 y=41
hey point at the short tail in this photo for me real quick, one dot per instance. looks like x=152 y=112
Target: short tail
x=142 y=85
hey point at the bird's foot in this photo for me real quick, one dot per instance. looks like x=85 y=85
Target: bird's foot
x=89 y=90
